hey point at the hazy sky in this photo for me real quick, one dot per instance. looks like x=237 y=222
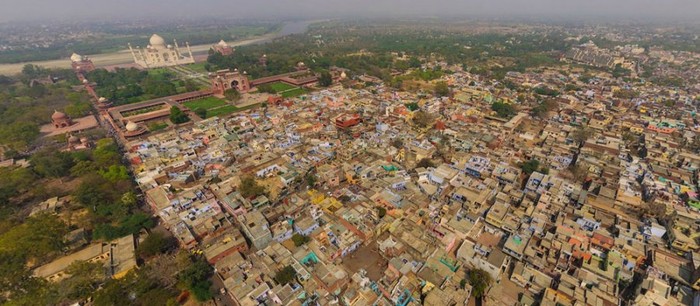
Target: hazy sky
x=161 y=9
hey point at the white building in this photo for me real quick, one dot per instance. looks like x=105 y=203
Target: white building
x=158 y=54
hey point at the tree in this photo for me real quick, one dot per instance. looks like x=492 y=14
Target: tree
x=441 y=89
x=106 y=153
x=39 y=236
x=310 y=179
x=286 y=275
x=266 y=88
x=232 y=94
x=250 y=188
x=325 y=79
x=177 y=116
x=543 y=108
x=91 y=193
x=19 y=135
x=50 y=163
x=463 y=283
x=115 y=173
x=299 y=239
x=531 y=166
x=201 y=112
x=156 y=243
x=425 y=163
x=129 y=224
x=381 y=212
x=158 y=86
x=164 y=269
x=582 y=134
x=413 y=106
x=129 y=199
x=422 y=119
x=546 y=91
x=196 y=279
x=190 y=85
x=480 y=280
x=619 y=71
x=84 y=278
x=503 y=110
x=625 y=94
x=14 y=182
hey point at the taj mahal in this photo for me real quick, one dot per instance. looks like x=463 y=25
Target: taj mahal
x=159 y=54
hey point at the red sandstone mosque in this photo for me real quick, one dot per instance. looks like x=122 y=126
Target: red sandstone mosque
x=81 y=63
x=64 y=124
x=60 y=120
x=223 y=48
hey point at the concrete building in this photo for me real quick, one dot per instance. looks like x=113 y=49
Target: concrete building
x=256 y=228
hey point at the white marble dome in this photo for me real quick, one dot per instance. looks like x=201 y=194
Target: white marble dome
x=131 y=126
x=156 y=41
x=76 y=57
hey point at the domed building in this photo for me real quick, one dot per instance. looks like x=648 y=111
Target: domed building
x=63 y=124
x=103 y=103
x=133 y=129
x=81 y=63
x=223 y=48
x=60 y=120
x=73 y=140
x=160 y=54
x=76 y=144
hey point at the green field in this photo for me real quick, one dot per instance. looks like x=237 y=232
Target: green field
x=197 y=67
x=280 y=87
x=294 y=92
x=228 y=109
x=157 y=126
x=205 y=103
x=164 y=72
x=224 y=110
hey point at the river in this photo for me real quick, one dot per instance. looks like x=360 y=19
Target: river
x=124 y=56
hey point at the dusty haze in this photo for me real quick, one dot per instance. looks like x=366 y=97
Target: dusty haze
x=66 y=10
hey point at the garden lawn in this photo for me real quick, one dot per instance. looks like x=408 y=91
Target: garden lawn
x=280 y=87
x=293 y=92
x=205 y=103
x=228 y=109
x=198 y=67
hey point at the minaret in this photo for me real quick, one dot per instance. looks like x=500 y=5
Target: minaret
x=189 y=51
x=132 y=52
x=177 y=52
x=143 y=57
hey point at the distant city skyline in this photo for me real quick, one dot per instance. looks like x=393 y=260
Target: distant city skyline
x=36 y=10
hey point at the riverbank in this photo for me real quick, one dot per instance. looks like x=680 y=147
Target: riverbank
x=124 y=56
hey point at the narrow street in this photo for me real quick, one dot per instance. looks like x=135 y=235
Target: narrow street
x=220 y=299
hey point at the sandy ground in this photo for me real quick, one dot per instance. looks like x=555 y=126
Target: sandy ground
x=366 y=257
x=118 y=58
